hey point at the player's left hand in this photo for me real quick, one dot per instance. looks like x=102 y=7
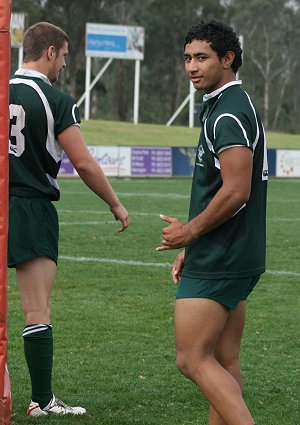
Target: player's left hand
x=175 y=235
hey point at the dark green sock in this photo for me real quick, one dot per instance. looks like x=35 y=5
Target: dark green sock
x=38 y=348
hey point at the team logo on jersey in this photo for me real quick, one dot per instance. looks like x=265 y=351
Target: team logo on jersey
x=200 y=154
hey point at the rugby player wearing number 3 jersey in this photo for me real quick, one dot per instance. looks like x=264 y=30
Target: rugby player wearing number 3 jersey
x=224 y=238
x=44 y=122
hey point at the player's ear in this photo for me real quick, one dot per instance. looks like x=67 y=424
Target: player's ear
x=228 y=59
x=50 y=52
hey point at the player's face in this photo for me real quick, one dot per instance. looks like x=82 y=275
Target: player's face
x=203 y=66
x=58 y=62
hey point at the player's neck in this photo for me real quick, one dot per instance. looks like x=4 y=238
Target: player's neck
x=38 y=66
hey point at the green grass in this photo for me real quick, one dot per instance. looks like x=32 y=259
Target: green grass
x=127 y=134
x=113 y=322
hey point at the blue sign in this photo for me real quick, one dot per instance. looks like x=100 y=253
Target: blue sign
x=183 y=161
x=107 y=43
x=272 y=162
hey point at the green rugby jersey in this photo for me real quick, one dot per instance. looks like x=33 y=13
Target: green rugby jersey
x=38 y=114
x=236 y=248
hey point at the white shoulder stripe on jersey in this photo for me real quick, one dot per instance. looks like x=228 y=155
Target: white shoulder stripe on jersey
x=210 y=146
x=265 y=172
x=257 y=126
x=52 y=145
x=237 y=120
x=73 y=114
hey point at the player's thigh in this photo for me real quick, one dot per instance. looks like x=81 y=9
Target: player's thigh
x=199 y=323
x=228 y=346
x=35 y=280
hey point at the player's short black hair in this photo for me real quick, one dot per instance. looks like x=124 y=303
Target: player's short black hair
x=221 y=37
x=39 y=37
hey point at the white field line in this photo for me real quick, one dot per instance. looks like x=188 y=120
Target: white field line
x=141 y=181
x=113 y=261
x=283 y=201
x=172 y=196
x=85 y=223
x=149 y=264
x=144 y=214
x=283 y=219
x=283 y=273
x=280 y=180
x=135 y=194
x=97 y=212
x=123 y=180
x=63 y=211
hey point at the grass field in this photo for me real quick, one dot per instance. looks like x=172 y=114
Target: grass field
x=112 y=312
x=127 y=134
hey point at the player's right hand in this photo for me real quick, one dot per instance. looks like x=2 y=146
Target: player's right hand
x=178 y=267
x=121 y=214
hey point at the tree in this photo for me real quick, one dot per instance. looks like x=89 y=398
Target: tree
x=267 y=27
x=271 y=32
x=164 y=82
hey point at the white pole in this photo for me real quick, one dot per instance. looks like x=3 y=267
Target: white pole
x=177 y=112
x=87 y=88
x=192 y=105
x=20 y=58
x=95 y=80
x=136 y=91
x=241 y=38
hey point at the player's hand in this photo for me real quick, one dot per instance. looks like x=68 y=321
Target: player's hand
x=178 y=267
x=175 y=236
x=120 y=213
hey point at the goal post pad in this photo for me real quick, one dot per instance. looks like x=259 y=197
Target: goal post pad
x=5 y=397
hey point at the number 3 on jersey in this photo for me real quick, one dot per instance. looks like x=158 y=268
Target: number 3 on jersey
x=17 y=123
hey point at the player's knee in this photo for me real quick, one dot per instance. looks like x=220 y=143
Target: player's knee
x=182 y=365
x=186 y=364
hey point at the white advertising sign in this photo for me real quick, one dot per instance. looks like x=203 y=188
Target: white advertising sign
x=114 y=41
x=288 y=163
x=114 y=160
x=17 y=26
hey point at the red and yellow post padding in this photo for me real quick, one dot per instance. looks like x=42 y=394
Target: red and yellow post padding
x=5 y=396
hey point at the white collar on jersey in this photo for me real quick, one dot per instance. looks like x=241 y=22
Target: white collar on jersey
x=208 y=96
x=32 y=73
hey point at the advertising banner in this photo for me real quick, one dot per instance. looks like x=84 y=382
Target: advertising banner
x=114 y=160
x=272 y=162
x=66 y=167
x=169 y=161
x=17 y=27
x=150 y=161
x=114 y=41
x=288 y=163
x=183 y=161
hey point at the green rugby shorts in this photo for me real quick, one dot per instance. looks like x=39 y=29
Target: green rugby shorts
x=33 y=230
x=228 y=292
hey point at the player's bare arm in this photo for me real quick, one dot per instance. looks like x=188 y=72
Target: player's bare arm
x=236 y=172
x=91 y=173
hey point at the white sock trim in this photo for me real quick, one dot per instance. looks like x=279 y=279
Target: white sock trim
x=35 y=328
